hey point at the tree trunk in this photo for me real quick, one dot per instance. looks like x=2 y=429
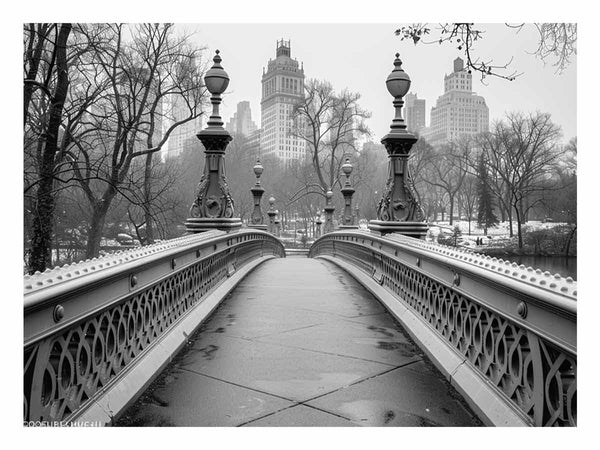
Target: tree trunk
x=510 y=223
x=95 y=231
x=43 y=221
x=147 y=200
x=519 y=230
x=34 y=61
x=451 y=210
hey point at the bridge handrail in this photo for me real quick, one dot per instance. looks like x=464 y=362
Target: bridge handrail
x=522 y=317
x=85 y=322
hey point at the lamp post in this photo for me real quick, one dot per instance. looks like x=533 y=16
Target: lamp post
x=398 y=210
x=277 y=223
x=318 y=223
x=214 y=207
x=257 y=218
x=272 y=213
x=348 y=192
x=329 y=209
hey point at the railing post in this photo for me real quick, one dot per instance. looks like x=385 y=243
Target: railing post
x=399 y=210
x=348 y=192
x=257 y=218
x=214 y=206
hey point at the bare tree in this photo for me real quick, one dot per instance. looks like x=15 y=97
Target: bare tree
x=330 y=124
x=46 y=72
x=527 y=154
x=143 y=76
x=449 y=167
x=467 y=198
x=556 y=40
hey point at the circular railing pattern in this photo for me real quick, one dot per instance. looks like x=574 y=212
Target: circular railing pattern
x=65 y=371
x=536 y=376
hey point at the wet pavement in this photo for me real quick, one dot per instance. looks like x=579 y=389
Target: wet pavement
x=300 y=343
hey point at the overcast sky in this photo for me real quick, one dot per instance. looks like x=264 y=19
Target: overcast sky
x=360 y=57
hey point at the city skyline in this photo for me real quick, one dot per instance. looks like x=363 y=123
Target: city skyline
x=362 y=65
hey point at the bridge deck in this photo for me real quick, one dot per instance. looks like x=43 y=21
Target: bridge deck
x=300 y=343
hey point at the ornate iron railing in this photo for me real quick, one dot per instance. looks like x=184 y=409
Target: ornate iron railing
x=87 y=323
x=514 y=325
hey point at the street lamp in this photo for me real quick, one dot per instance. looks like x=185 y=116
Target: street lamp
x=257 y=218
x=347 y=192
x=329 y=209
x=277 y=222
x=318 y=223
x=272 y=213
x=213 y=207
x=398 y=210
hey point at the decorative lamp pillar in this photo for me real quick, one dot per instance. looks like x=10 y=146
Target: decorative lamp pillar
x=271 y=213
x=214 y=207
x=398 y=210
x=348 y=192
x=277 y=223
x=319 y=222
x=257 y=219
x=329 y=209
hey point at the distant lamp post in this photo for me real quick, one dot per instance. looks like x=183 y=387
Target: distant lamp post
x=348 y=192
x=277 y=223
x=398 y=210
x=318 y=223
x=257 y=218
x=329 y=209
x=272 y=213
x=213 y=207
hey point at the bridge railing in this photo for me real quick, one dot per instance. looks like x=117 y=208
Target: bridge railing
x=490 y=325
x=88 y=324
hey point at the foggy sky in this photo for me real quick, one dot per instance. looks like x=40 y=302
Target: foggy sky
x=360 y=57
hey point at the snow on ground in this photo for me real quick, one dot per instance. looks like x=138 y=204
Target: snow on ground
x=500 y=232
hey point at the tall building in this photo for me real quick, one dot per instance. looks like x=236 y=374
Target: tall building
x=180 y=137
x=459 y=111
x=253 y=144
x=414 y=108
x=282 y=88
x=241 y=122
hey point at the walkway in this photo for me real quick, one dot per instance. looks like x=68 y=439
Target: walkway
x=300 y=343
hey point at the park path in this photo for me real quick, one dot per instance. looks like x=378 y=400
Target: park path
x=300 y=343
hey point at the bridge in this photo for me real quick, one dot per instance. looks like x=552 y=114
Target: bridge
x=372 y=327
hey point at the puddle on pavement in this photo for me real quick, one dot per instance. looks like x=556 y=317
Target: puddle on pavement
x=402 y=348
x=381 y=330
x=378 y=413
x=192 y=353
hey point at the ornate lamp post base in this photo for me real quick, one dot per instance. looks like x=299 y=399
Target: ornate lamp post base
x=413 y=229
x=200 y=224
x=213 y=207
x=399 y=210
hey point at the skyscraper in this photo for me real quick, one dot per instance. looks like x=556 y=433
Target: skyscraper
x=241 y=122
x=415 y=113
x=181 y=137
x=282 y=88
x=459 y=111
